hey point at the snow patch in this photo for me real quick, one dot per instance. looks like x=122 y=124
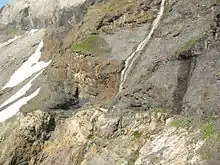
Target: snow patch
x=14 y=108
x=32 y=31
x=28 y=68
x=21 y=92
x=9 y=41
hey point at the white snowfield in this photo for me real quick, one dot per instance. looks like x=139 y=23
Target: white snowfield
x=28 y=68
x=21 y=92
x=9 y=41
x=32 y=31
x=14 y=108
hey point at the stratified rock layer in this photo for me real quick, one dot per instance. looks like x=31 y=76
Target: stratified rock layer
x=168 y=111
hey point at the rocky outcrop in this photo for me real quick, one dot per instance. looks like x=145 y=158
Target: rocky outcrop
x=163 y=75
x=19 y=138
x=167 y=111
x=40 y=14
x=92 y=76
x=171 y=147
x=85 y=65
x=96 y=136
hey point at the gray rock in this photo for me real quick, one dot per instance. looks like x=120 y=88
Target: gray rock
x=25 y=136
x=177 y=73
x=38 y=14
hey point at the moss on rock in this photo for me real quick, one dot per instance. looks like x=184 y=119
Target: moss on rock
x=93 y=44
x=166 y=10
x=115 y=5
x=110 y=15
x=189 y=44
x=192 y=42
x=182 y=123
x=140 y=18
x=136 y=134
x=207 y=130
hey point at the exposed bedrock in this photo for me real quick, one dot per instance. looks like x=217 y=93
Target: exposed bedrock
x=167 y=111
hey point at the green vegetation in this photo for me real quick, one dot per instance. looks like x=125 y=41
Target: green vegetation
x=192 y=42
x=207 y=130
x=93 y=44
x=112 y=7
x=113 y=14
x=186 y=123
x=166 y=10
x=160 y=110
x=140 y=17
x=106 y=18
x=98 y=15
x=211 y=133
x=115 y=5
x=210 y=130
x=136 y=134
x=189 y=44
x=90 y=137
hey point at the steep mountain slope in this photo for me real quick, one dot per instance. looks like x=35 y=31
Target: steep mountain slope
x=110 y=82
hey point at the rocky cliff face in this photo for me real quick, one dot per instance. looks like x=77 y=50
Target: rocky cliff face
x=39 y=14
x=110 y=82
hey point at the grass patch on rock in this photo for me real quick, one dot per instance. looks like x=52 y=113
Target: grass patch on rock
x=208 y=128
x=189 y=44
x=140 y=18
x=115 y=5
x=110 y=15
x=185 y=123
x=137 y=134
x=166 y=10
x=93 y=44
x=210 y=151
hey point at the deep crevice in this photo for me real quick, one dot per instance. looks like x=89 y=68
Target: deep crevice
x=186 y=68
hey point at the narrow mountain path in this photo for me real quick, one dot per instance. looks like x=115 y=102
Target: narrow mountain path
x=131 y=59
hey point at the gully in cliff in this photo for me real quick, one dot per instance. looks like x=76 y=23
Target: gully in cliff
x=131 y=59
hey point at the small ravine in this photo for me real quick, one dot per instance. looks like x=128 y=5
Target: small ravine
x=131 y=59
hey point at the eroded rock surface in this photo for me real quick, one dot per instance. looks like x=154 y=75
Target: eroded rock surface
x=38 y=14
x=168 y=110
